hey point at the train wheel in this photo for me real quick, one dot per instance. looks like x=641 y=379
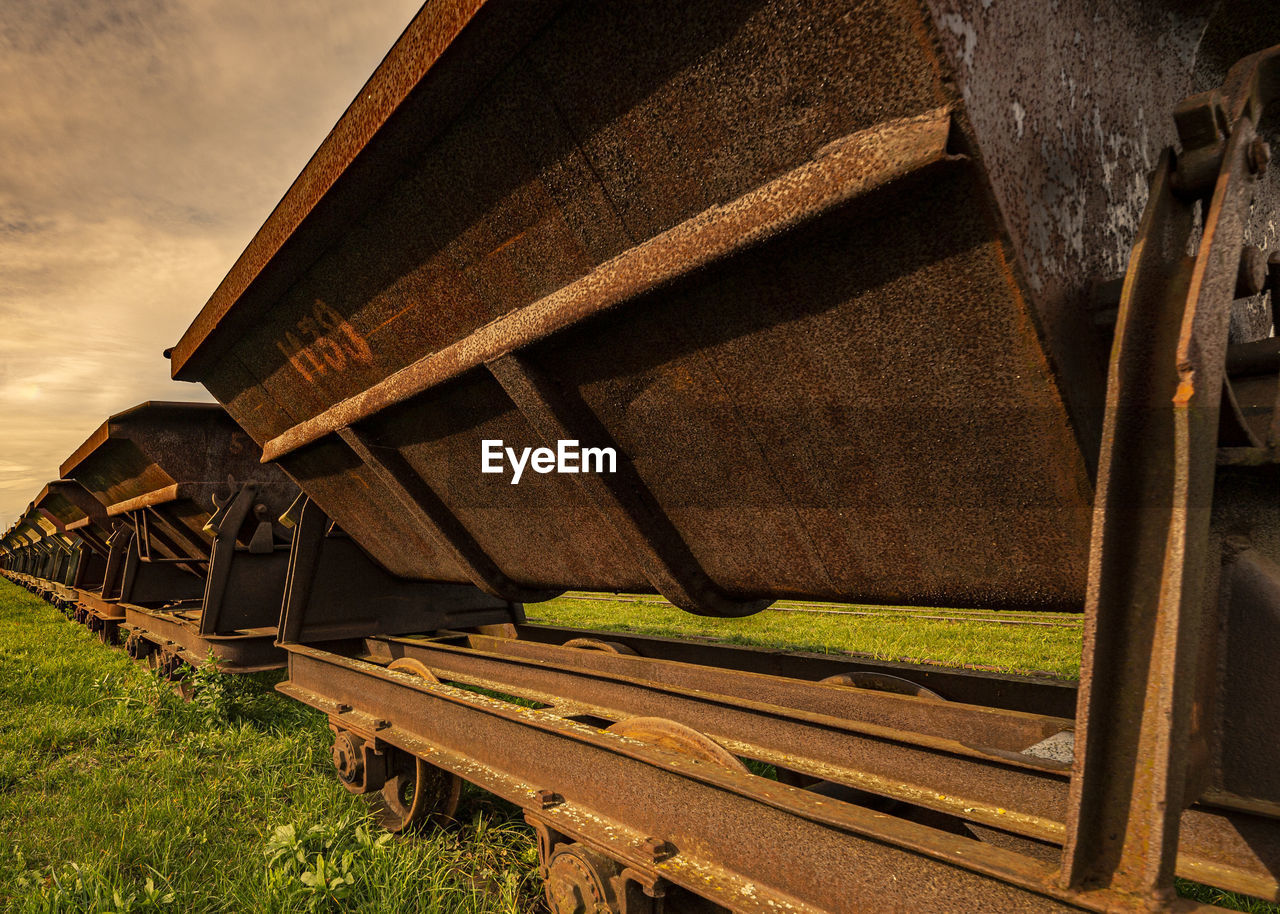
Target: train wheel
x=883 y=682
x=668 y=734
x=415 y=791
x=109 y=632
x=595 y=644
x=167 y=664
x=414 y=666
x=580 y=881
x=138 y=647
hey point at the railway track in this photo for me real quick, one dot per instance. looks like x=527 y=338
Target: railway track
x=779 y=267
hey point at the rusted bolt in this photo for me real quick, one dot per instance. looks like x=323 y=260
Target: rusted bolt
x=344 y=709
x=546 y=799
x=1251 y=278
x=1259 y=156
x=1235 y=544
x=658 y=850
x=348 y=758
x=381 y=724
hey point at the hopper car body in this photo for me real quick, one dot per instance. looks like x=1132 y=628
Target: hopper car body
x=196 y=556
x=84 y=518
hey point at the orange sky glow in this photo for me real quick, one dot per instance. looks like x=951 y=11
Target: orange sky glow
x=142 y=143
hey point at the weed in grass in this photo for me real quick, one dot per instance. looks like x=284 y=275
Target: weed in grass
x=75 y=887
x=320 y=866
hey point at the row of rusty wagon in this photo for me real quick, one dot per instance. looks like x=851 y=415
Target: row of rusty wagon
x=945 y=303
x=147 y=540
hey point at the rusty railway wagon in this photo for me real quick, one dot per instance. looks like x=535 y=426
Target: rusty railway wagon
x=940 y=303
x=84 y=519
x=16 y=554
x=195 y=554
x=48 y=552
x=51 y=546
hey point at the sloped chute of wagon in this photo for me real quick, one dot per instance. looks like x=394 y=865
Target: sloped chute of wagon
x=788 y=307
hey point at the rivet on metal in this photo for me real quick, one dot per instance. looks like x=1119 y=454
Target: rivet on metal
x=546 y=799
x=658 y=850
x=1259 y=155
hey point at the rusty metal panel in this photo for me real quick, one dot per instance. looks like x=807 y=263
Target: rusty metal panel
x=1069 y=104
x=145 y=452
x=693 y=261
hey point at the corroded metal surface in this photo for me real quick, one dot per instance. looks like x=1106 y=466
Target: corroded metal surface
x=579 y=775
x=648 y=280
x=140 y=455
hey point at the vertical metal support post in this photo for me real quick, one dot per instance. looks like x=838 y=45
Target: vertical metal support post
x=1148 y=560
x=304 y=553
x=117 y=556
x=226 y=525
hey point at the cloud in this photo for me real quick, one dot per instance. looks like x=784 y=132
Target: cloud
x=142 y=143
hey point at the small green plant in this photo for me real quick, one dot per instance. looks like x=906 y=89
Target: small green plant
x=212 y=697
x=323 y=864
x=74 y=888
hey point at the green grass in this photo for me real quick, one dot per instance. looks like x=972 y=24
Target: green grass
x=1012 y=648
x=117 y=796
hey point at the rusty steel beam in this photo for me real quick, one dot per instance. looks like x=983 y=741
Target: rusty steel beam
x=1147 y=608
x=178 y=633
x=958 y=760
x=976 y=724
x=1034 y=695
x=848 y=168
x=938 y=765
x=724 y=831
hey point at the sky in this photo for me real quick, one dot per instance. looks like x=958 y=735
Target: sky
x=142 y=143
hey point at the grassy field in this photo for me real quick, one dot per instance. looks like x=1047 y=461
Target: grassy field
x=117 y=796
x=1049 y=649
